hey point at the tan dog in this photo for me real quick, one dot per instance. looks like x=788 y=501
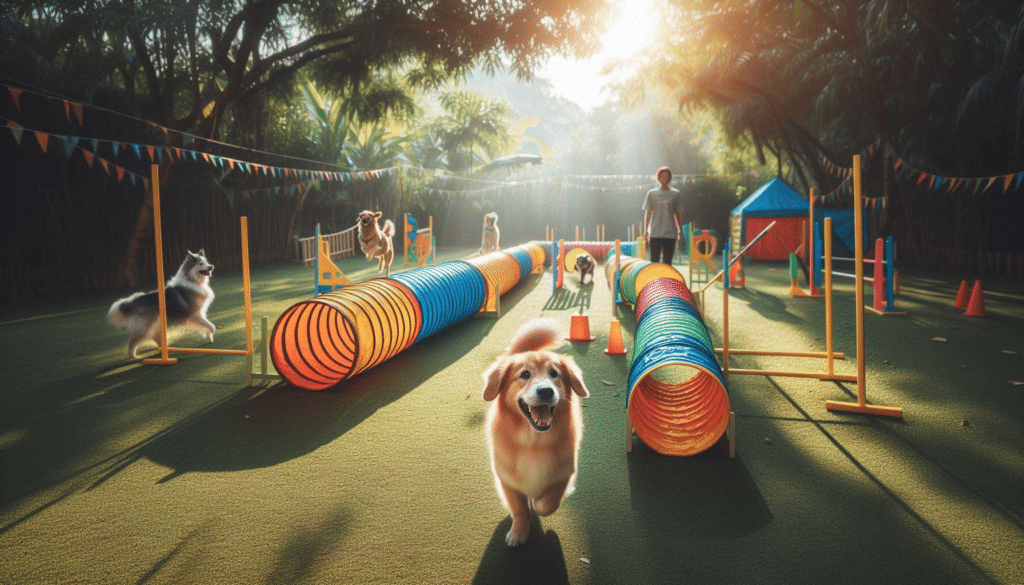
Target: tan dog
x=492 y=235
x=585 y=266
x=376 y=242
x=534 y=424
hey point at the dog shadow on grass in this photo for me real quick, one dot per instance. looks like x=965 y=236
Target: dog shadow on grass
x=539 y=560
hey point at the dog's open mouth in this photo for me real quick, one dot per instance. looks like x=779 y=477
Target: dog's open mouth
x=539 y=416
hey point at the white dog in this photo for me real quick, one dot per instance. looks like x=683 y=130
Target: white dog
x=187 y=297
x=492 y=235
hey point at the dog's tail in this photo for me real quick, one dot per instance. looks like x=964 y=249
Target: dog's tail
x=118 y=313
x=536 y=335
x=389 y=228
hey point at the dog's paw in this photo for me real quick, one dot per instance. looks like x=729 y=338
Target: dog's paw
x=517 y=535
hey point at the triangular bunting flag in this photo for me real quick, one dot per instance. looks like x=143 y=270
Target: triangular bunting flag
x=1006 y=183
x=42 y=138
x=138 y=152
x=115 y=147
x=1020 y=177
x=88 y=155
x=990 y=181
x=17 y=131
x=120 y=173
x=77 y=109
x=69 y=143
x=149 y=151
x=16 y=96
x=67 y=110
x=106 y=167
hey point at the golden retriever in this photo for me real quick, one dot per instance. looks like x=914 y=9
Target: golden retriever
x=534 y=424
x=376 y=242
x=585 y=266
x=491 y=235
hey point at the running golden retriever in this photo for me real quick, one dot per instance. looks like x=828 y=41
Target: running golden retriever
x=534 y=424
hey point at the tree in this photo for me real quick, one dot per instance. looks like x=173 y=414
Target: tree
x=191 y=61
x=471 y=122
x=941 y=83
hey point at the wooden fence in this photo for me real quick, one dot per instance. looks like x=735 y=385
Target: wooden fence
x=340 y=244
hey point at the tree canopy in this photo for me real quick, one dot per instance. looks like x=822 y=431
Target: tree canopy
x=184 y=64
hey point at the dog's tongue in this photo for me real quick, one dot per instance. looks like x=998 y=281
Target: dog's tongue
x=541 y=414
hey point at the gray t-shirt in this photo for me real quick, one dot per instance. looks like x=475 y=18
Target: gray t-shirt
x=663 y=203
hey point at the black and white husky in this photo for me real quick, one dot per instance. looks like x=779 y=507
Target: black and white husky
x=188 y=297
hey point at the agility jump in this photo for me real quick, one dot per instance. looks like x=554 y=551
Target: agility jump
x=165 y=351
x=564 y=255
x=829 y=354
x=319 y=342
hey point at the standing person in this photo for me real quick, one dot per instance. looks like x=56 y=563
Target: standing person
x=663 y=217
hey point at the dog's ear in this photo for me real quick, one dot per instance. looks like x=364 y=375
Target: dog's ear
x=575 y=375
x=201 y=252
x=495 y=378
x=378 y=214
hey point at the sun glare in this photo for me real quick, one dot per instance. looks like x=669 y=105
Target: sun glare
x=628 y=32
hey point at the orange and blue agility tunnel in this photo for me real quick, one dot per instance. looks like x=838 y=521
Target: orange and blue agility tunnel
x=319 y=342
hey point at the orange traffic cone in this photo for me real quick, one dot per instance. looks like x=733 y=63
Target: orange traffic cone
x=976 y=306
x=615 y=346
x=961 y=296
x=579 y=329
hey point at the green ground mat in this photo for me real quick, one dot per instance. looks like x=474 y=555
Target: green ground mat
x=116 y=472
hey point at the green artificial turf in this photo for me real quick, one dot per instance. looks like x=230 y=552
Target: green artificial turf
x=117 y=472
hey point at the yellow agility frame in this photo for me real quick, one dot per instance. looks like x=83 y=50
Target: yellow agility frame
x=165 y=350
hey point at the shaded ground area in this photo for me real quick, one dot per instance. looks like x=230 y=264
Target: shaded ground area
x=115 y=472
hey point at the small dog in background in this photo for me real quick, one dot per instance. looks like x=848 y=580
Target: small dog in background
x=492 y=235
x=375 y=242
x=585 y=266
x=534 y=424
x=187 y=297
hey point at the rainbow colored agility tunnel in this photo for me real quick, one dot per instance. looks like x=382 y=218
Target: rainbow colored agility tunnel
x=676 y=394
x=319 y=342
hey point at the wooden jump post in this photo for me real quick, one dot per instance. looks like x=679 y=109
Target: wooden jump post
x=165 y=359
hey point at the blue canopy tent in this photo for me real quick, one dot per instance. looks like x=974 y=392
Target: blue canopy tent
x=776 y=201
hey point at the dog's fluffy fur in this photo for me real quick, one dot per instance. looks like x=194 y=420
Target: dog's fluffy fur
x=534 y=424
x=376 y=242
x=187 y=297
x=492 y=235
x=585 y=267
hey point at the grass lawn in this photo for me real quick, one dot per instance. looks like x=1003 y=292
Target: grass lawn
x=117 y=472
